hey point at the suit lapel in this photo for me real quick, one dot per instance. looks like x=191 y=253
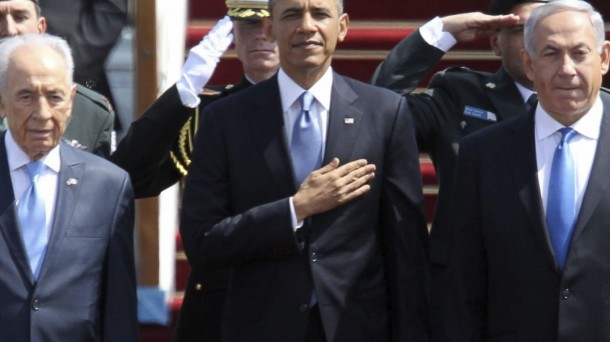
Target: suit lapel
x=9 y=223
x=504 y=95
x=598 y=179
x=68 y=190
x=523 y=165
x=344 y=120
x=267 y=127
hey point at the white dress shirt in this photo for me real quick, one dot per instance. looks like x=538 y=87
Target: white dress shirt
x=289 y=95
x=47 y=181
x=583 y=146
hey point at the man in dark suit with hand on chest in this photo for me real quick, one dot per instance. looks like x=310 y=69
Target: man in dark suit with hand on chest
x=316 y=205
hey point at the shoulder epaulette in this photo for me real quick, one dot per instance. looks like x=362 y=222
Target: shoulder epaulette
x=457 y=68
x=216 y=90
x=210 y=92
x=94 y=96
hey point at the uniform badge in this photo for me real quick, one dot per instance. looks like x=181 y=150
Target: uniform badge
x=71 y=181
x=481 y=114
x=348 y=121
x=491 y=85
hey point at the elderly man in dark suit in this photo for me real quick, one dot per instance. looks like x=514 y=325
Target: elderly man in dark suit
x=531 y=257
x=66 y=257
x=316 y=205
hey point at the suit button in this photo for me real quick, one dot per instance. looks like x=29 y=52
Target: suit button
x=314 y=257
x=565 y=294
x=303 y=307
x=199 y=287
x=35 y=304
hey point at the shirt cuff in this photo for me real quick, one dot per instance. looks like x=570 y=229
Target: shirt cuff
x=293 y=217
x=433 y=34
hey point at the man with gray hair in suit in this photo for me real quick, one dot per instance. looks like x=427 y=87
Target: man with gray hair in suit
x=67 y=258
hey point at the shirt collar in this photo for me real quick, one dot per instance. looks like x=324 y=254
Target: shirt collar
x=588 y=126
x=18 y=158
x=525 y=93
x=290 y=91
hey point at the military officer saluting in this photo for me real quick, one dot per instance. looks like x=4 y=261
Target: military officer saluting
x=458 y=101
x=201 y=311
x=259 y=59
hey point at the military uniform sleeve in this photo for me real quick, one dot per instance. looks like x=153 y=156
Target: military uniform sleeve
x=406 y=64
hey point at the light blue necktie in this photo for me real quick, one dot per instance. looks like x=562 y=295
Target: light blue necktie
x=31 y=211
x=561 y=209
x=306 y=145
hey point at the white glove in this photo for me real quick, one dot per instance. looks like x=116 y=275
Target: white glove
x=202 y=60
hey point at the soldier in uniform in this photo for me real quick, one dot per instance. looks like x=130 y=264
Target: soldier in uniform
x=200 y=315
x=458 y=101
x=91 y=28
x=91 y=124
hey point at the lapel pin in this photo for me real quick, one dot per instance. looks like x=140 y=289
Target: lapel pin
x=491 y=85
x=71 y=181
x=348 y=121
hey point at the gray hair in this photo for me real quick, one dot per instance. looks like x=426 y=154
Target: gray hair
x=9 y=45
x=553 y=7
x=338 y=2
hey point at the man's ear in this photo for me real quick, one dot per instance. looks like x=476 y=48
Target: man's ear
x=495 y=44
x=605 y=57
x=71 y=100
x=528 y=64
x=2 y=108
x=42 y=25
x=343 y=24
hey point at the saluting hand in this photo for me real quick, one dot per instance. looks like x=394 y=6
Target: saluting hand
x=467 y=26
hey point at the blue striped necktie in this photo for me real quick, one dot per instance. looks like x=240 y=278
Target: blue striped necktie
x=32 y=217
x=561 y=208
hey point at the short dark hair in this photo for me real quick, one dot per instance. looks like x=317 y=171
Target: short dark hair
x=36 y=6
x=339 y=6
x=498 y=7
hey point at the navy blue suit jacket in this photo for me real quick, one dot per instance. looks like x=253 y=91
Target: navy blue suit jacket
x=507 y=282
x=365 y=259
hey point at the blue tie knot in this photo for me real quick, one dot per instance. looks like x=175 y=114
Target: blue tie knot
x=34 y=169
x=306 y=99
x=567 y=134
